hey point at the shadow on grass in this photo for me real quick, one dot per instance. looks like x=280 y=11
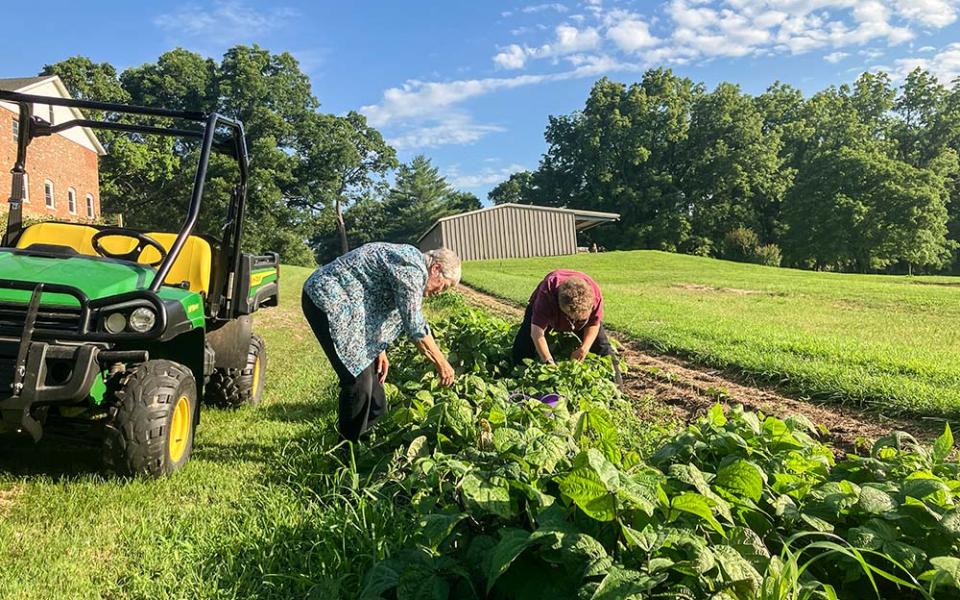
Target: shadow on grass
x=295 y=412
x=50 y=457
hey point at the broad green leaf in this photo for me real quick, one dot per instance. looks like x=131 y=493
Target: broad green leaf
x=905 y=554
x=817 y=523
x=715 y=416
x=698 y=505
x=383 y=576
x=779 y=434
x=435 y=527
x=801 y=422
x=946 y=571
x=588 y=491
x=944 y=444
x=741 y=478
x=574 y=550
x=639 y=491
x=512 y=543
x=491 y=495
x=921 y=487
x=623 y=584
x=417 y=448
x=951 y=523
x=737 y=568
x=545 y=451
x=750 y=546
x=460 y=417
x=646 y=540
x=506 y=438
x=874 y=501
x=422 y=584
x=691 y=475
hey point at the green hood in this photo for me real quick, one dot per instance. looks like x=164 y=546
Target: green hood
x=97 y=278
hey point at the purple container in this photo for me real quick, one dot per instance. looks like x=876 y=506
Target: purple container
x=550 y=400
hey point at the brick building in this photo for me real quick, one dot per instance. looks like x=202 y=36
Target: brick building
x=62 y=170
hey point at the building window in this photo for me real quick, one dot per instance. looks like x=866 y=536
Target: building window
x=72 y=201
x=48 y=194
x=91 y=214
x=16 y=130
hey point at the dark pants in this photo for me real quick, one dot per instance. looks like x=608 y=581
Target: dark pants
x=362 y=400
x=523 y=344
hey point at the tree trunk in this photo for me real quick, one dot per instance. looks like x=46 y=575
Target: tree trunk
x=342 y=228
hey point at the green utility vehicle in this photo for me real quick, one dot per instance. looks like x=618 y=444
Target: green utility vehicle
x=115 y=335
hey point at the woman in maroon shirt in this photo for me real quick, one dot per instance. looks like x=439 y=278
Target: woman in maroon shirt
x=564 y=301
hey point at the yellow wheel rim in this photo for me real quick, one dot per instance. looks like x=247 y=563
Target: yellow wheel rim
x=179 y=429
x=256 y=376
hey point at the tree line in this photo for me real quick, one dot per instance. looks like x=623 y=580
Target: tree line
x=309 y=172
x=859 y=177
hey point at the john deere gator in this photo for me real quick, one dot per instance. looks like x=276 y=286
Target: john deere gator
x=116 y=335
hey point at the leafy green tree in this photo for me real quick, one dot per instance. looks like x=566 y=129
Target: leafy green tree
x=517 y=189
x=460 y=201
x=734 y=175
x=304 y=163
x=622 y=153
x=344 y=160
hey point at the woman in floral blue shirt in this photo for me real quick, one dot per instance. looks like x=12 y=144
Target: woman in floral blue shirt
x=359 y=304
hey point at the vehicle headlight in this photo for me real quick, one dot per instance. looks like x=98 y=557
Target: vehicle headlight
x=142 y=319
x=115 y=323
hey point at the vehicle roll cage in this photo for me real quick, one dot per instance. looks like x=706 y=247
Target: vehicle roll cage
x=32 y=127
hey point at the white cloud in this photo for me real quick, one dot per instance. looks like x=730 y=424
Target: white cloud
x=485 y=177
x=511 y=57
x=560 y=8
x=226 y=22
x=568 y=40
x=631 y=33
x=457 y=129
x=934 y=13
x=926 y=49
x=945 y=64
x=421 y=99
x=835 y=57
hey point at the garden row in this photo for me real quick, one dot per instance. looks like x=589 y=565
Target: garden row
x=518 y=498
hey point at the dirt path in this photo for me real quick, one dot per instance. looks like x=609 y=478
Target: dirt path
x=688 y=390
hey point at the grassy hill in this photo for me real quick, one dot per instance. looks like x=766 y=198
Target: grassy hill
x=889 y=342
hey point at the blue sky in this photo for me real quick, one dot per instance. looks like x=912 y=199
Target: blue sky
x=471 y=83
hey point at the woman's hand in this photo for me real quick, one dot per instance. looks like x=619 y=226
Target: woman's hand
x=383 y=365
x=428 y=346
x=446 y=373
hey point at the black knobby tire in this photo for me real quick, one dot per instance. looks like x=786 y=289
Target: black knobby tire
x=237 y=387
x=143 y=403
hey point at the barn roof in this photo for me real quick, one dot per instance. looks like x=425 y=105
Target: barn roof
x=585 y=219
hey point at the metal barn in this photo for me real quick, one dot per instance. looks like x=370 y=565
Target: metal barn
x=512 y=231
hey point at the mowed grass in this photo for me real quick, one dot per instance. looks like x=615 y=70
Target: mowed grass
x=261 y=511
x=891 y=343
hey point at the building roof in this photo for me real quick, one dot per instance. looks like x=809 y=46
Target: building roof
x=15 y=84
x=584 y=219
x=26 y=84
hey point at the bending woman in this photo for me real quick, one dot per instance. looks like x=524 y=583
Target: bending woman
x=359 y=304
x=564 y=301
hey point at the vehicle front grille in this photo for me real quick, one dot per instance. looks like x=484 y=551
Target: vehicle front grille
x=13 y=316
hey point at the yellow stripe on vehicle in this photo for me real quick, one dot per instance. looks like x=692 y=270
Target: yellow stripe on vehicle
x=257 y=278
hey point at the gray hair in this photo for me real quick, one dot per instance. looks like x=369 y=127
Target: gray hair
x=447 y=259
